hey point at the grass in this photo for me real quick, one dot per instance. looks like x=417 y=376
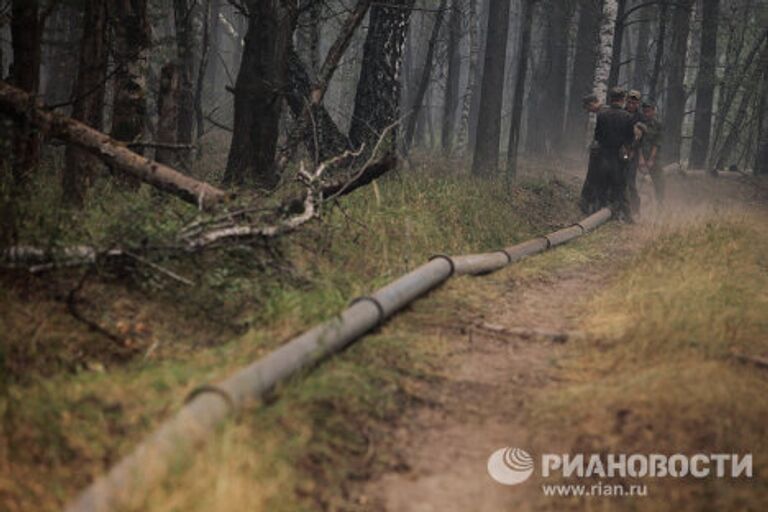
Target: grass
x=72 y=403
x=658 y=375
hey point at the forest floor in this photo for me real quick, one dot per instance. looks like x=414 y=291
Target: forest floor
x=501 y=389
x=405 y=419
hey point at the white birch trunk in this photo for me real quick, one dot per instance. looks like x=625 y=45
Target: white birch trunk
x=461 y=142
x=605 y=49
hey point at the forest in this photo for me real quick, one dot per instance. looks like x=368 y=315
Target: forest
x=190 y=189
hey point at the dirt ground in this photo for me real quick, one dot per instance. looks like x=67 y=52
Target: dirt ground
x=494 y=373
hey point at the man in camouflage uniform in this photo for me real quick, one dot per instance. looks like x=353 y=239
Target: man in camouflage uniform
x=615 y=134
x=633 y=107
x=649 y=149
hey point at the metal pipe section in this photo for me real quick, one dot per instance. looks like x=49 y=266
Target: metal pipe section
x=208 y=406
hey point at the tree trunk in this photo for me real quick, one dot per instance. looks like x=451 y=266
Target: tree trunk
x=80 y=167
x=16 y=103
x=168 y=114
x=639 y=77
x=520 y=77
x=60 y=57
x=451 y=99
x=205 y=52
x=186 y=47
x=259 y=91
x=132 y=44
x=308 y=36
x=426 y=74
x=605 y=48
x=474 y=110
x=545 y=128
x=583 y=71
x=674 y=113
x=377 y=101
x=469 y=93
x=751 y=87
x=761 y=157
x=486 y=157
x=705 y=84
x=26 y=30
x=618 y=40
x=660 y=47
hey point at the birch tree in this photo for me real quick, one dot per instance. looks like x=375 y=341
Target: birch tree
x=474 y=49
x=605 y=48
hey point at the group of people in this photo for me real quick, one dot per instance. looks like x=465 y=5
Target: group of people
x=627 y=139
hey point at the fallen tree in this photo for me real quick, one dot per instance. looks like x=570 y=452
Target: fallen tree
x=18 y=104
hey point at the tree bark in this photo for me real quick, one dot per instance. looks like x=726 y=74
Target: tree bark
x=26 y=30
x=132 y=44
x=618 y=41
x=80 y=167
x=582 y=75
x=205 y=53
x=486 y=156
x=674 y=113
x=426 y=74
x=469 y=92
x=639 y=77
x=377 y=101
x=605 y=49
x=184 y=14
x=520 y=77
x=259 y=91
x=20 y=105
x=451 y=99
x=761 y=156
x=474 y=110
x=168 y=114
x=705 y=84
x=660 y=47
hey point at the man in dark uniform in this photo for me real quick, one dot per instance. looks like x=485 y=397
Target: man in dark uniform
x=633 y=107
x=593 y=191
x=650 y=148
x=615 y=134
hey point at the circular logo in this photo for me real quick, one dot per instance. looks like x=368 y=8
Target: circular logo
x=510 y=466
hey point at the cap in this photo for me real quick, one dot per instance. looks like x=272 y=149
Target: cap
x=649 y=103
x=616 y=93
x=634 y=94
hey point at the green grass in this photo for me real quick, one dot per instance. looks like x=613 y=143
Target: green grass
x=70 y=407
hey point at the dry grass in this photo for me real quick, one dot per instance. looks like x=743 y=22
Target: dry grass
x=658 y=375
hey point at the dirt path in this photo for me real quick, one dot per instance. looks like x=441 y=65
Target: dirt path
x=479 y=408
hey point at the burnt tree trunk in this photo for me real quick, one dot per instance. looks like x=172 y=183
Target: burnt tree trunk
x=674 y=113
x=259 y=91
x=168 y=114
x=451 y=99
x=377 y=101
x=520 y=77
x=26 y=31
x=184 y=17
x=80 y=167
x=486 y=155
x=705 y=84
x=132 y=44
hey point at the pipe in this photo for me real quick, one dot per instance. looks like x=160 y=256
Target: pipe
x=208 y=406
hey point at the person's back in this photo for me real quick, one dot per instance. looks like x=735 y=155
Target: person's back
x=614 y=128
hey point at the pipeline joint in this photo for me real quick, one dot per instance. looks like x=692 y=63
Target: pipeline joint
x=376 y=303
x=447 y=258
x=216 y=390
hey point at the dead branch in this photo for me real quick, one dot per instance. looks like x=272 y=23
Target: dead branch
x=19 y=104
